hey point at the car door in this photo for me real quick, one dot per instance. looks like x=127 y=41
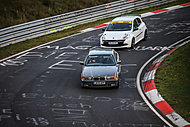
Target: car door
x=137 y=30
x=118 y=62
x=141 y=28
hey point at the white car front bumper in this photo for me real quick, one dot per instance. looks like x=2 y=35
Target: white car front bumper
x=121 y=43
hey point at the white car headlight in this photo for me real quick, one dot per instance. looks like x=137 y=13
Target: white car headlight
x=126 y=36
x=111 y=77
x=103 y=36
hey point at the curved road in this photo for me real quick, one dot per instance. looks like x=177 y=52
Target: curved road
x=41 y=87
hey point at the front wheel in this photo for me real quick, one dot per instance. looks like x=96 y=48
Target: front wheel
x=145 y=35
x=133 y=43
x=117 y=85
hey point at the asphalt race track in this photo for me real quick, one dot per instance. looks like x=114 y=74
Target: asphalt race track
x=41 y=87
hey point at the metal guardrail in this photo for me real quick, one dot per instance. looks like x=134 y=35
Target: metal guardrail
x=21 y=32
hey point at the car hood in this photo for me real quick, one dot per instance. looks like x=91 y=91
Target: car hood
x=96 y=71
x=115 y=35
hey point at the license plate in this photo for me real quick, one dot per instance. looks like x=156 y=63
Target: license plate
x=99 y=83
x=112 y=43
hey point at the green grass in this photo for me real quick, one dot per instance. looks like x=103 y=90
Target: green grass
x=173 y=80
x=16 y=48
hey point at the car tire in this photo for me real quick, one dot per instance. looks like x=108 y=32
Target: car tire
x=117 y=85
x=133 y=43
x=145 y=35
x=82 y=85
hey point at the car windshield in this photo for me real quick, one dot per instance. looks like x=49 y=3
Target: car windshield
x=120 y=26
x=100 y=60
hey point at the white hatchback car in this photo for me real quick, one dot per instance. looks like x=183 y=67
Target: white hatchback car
x=124 y=32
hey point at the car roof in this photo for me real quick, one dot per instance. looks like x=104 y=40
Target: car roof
x=100 y=51
x=126 y=18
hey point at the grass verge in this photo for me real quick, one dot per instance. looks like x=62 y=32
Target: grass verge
x=173 y=80
x=18 y=47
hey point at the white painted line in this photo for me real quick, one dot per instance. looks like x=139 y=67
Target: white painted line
x=179 y=42
x=62 y=65
x=127 y=65
x=168 y=33
x=147 y=14
x=184 y=43
x=72 y=61
x=60 y=68
x=87 y=30
x=68 y=65
x=174 y=7
x=50 y=55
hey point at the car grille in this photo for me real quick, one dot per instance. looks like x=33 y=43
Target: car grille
x=99 y=78
x=103 y=78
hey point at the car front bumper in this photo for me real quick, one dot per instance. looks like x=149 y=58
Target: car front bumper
x=91 y=84
x=119 y=43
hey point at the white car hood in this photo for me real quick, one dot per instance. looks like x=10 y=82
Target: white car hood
x=115 y=35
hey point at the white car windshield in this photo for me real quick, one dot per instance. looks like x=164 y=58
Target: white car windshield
x=120 y=26
x=100 y=60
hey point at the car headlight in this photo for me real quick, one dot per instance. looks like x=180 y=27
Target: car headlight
x=89 y=78
x=111 y=77
x=126 y=36
x=103 y=36
x=86 y=78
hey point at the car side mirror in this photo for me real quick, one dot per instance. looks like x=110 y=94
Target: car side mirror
x=119 y=62
x=135 y=29
x=81 y=63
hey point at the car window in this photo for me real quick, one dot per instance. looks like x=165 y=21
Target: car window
x=139 y=21
x=100 y=60
x=135 y=24
x=119 y=26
